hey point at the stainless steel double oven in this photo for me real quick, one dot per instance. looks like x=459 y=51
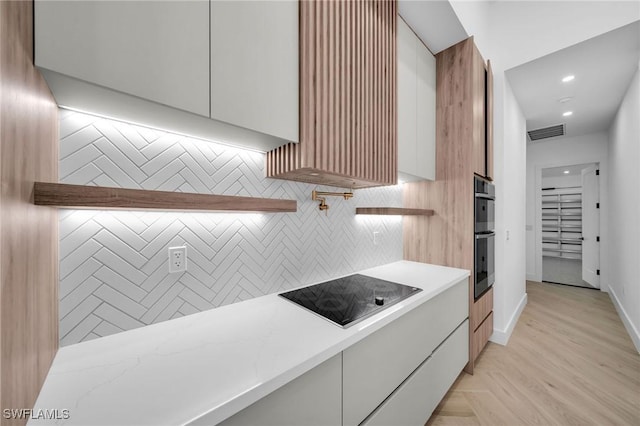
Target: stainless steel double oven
x=484 y=236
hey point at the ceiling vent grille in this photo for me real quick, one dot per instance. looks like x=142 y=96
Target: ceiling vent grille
x=547 y=132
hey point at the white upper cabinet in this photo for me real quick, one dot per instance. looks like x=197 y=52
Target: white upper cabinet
x=219 y=70
x=416 y=107
x=426 y=113
x=407 y=99
x=156 y=50
x=254 y=65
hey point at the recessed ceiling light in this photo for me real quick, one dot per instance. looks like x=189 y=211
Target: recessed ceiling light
x=566 y=172
x=565 y=100
x=568 y=113
x=568 y=78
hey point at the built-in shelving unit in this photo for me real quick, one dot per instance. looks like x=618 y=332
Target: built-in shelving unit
x=97 y=197
x=393 y=211
x=562 y=222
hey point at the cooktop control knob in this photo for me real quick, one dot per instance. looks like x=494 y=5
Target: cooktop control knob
x=379 y=300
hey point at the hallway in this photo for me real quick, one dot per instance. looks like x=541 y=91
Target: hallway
x=569 y=361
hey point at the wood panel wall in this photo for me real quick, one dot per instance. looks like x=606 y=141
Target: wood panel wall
x=348 y=96
x=28 y=233
x=447 y=237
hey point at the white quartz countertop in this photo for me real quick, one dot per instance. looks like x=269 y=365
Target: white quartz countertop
x=219 y=361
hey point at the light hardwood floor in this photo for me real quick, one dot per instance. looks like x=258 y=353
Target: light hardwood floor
x=569 y=362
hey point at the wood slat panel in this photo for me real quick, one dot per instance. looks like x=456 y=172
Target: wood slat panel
x=97 y=197
x=29 y=234
x=481 y=336
x=480 y=309
x=347 y=96
x=393 y=211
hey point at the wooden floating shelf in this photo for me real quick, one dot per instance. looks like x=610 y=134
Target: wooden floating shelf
x=395 y=211
x=100 y=197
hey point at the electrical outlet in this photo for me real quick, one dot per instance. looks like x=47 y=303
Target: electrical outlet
x=376 y=237
x=177 y=259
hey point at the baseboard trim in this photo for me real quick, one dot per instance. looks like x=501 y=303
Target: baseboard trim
x=631 y=329
x=501 y=337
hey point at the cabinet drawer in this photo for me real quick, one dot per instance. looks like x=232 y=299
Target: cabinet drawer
x=312 y=399
x=481 y=308
x=414 y=401
x=481 y=336
x=375 y=366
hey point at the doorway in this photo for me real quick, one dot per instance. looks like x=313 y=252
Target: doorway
x=570 y=225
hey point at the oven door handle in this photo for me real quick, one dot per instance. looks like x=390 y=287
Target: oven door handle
x=485 y=235
x=485 y=196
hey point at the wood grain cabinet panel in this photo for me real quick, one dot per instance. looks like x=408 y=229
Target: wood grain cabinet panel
x=489 y=119
x=481 y=308
x=29 y=234
x=464 y=148
x=348 y=130
x=480 y=337
x=478 y=89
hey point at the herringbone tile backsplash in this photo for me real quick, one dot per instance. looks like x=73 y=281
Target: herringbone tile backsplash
x=114 y=273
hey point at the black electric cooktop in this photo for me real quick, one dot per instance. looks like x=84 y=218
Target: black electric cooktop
x=348 y=300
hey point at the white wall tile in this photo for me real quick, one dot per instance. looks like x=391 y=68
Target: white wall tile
x=114 y=272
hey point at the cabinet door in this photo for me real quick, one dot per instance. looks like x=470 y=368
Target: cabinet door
x=254 y=65
x=407 y=99
x=375 y=366
x=416 y=107
x=315 y=398
x=414 y=401
x=155 y=50
x=425 y=112
x=478 y=85
x=489 y=116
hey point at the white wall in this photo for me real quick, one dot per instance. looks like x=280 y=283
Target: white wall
x=510 y=33
x=514 y=32
x=624 y=217
x=510 y=166
x=559 y=152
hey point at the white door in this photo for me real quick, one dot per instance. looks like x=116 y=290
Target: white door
x=590 y=226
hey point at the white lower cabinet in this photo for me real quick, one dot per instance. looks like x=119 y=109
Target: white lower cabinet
x=374 y=367
x=395 y=376
x=315 y=398
x=414 y=401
